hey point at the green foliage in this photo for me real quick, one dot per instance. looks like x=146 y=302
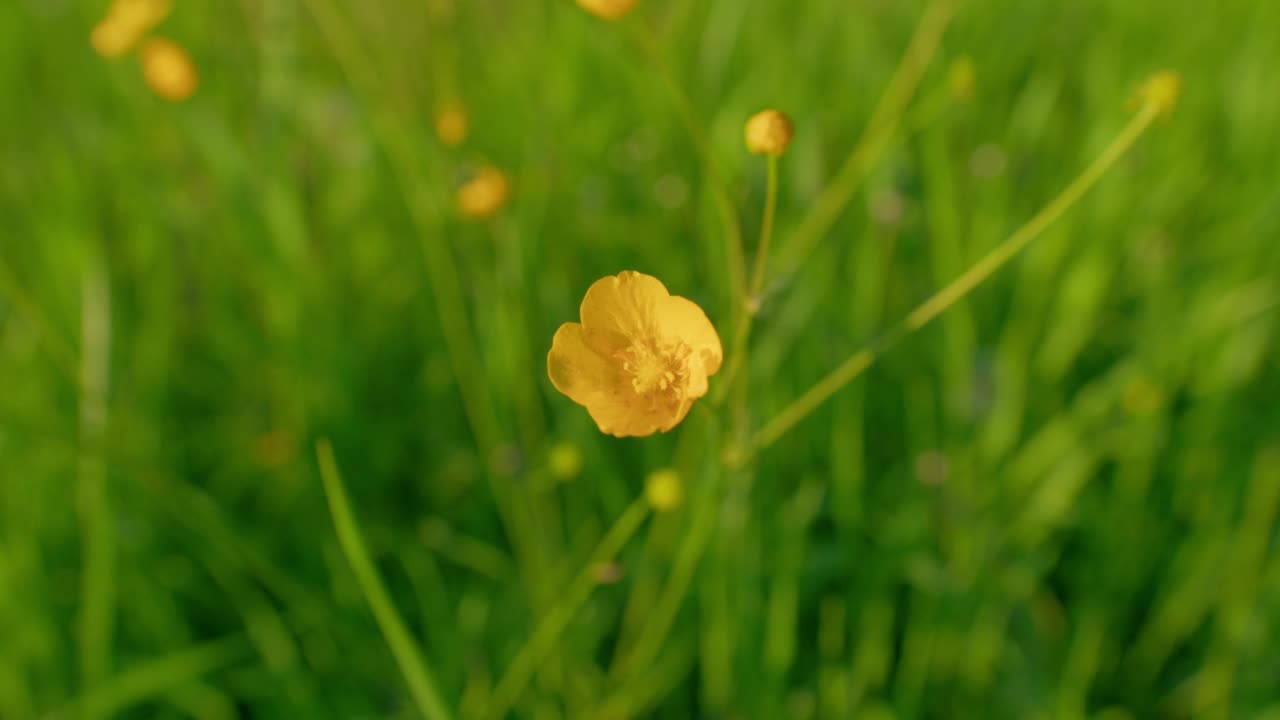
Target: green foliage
x=1057 y=500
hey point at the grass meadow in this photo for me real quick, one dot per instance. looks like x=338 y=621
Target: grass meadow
x=277 y=437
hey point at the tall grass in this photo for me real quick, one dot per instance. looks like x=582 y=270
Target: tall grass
x=1052 y=494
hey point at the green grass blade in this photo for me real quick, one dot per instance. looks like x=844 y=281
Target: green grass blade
x=155 y=677
x=417 y=674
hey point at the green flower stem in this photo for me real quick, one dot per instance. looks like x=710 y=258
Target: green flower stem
x=424 y=208
x=750 y=303
x=873 y=142
x=652 y=48
x=547 y=636
x=97 y=609
x=851 y=368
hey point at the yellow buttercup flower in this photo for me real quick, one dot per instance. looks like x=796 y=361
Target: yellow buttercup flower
x=484 y=194
x=168 y=69
x=640 y=357
x=125 y=24
x=769 y=132
x=607 y=9
x=451 y=124
x=663 y=490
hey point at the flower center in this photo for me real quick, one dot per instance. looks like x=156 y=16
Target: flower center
x=655 y=368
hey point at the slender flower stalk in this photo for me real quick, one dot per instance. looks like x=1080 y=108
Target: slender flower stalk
x=1157 y=98
x=649 y=44
x=547 y=636
x=871 y=145
x=751 y=302
x=766 y=229
x=426 y=210
x=97 y=588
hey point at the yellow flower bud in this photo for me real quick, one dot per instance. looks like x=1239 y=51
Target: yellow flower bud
x=565 y=461
x=962 y=77
x=1161 y=91
x=168 y=69
x=607 y=9
x=126 y=22
x=769 y=132
x=484 y=194
x=664 y=490
x=452 y=124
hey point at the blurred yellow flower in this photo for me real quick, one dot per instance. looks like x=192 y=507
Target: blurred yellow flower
x=769 y=132
x=607 y=9
x=640 y=357
x=1161 y=90
x=484 y=194
x=125 y=24
x=452 y=124
x=565 y=460
x=168 y=69
x=664 y=490
x=962 y=78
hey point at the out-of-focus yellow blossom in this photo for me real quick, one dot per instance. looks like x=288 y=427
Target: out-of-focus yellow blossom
x=125 y=24
x=962 y=78
x=607 y=9
x=664 y=490
x=565 y=460
x=484 y=194
x=769 y=132
x=640 y=357
x=168 y=69
x=452 y=124
x=1161 y=90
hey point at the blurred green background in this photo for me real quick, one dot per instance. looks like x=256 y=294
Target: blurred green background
x=1057 y=501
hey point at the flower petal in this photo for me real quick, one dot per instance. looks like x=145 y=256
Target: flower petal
x=622 y=420
x=624 y=304
x=579 y=372
x=682 y=319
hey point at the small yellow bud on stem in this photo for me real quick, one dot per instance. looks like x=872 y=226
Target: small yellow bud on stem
x=769 y=132
x=607 y=9
x=565 y=461
x=1160 y=91
x=452 y=124
x=664 y=490
x=484 y=194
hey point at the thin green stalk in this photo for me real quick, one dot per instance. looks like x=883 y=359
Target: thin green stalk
x=424 y=211
x=547 y=636
x=443 y=274
x=649 y=44
x=766 y=227
x=750 y=302
x=663 y=614
x=644 y=587
x=511 y=279
x=417 y=673
x=873 y=142
x=958 y=288
x=97 y=582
